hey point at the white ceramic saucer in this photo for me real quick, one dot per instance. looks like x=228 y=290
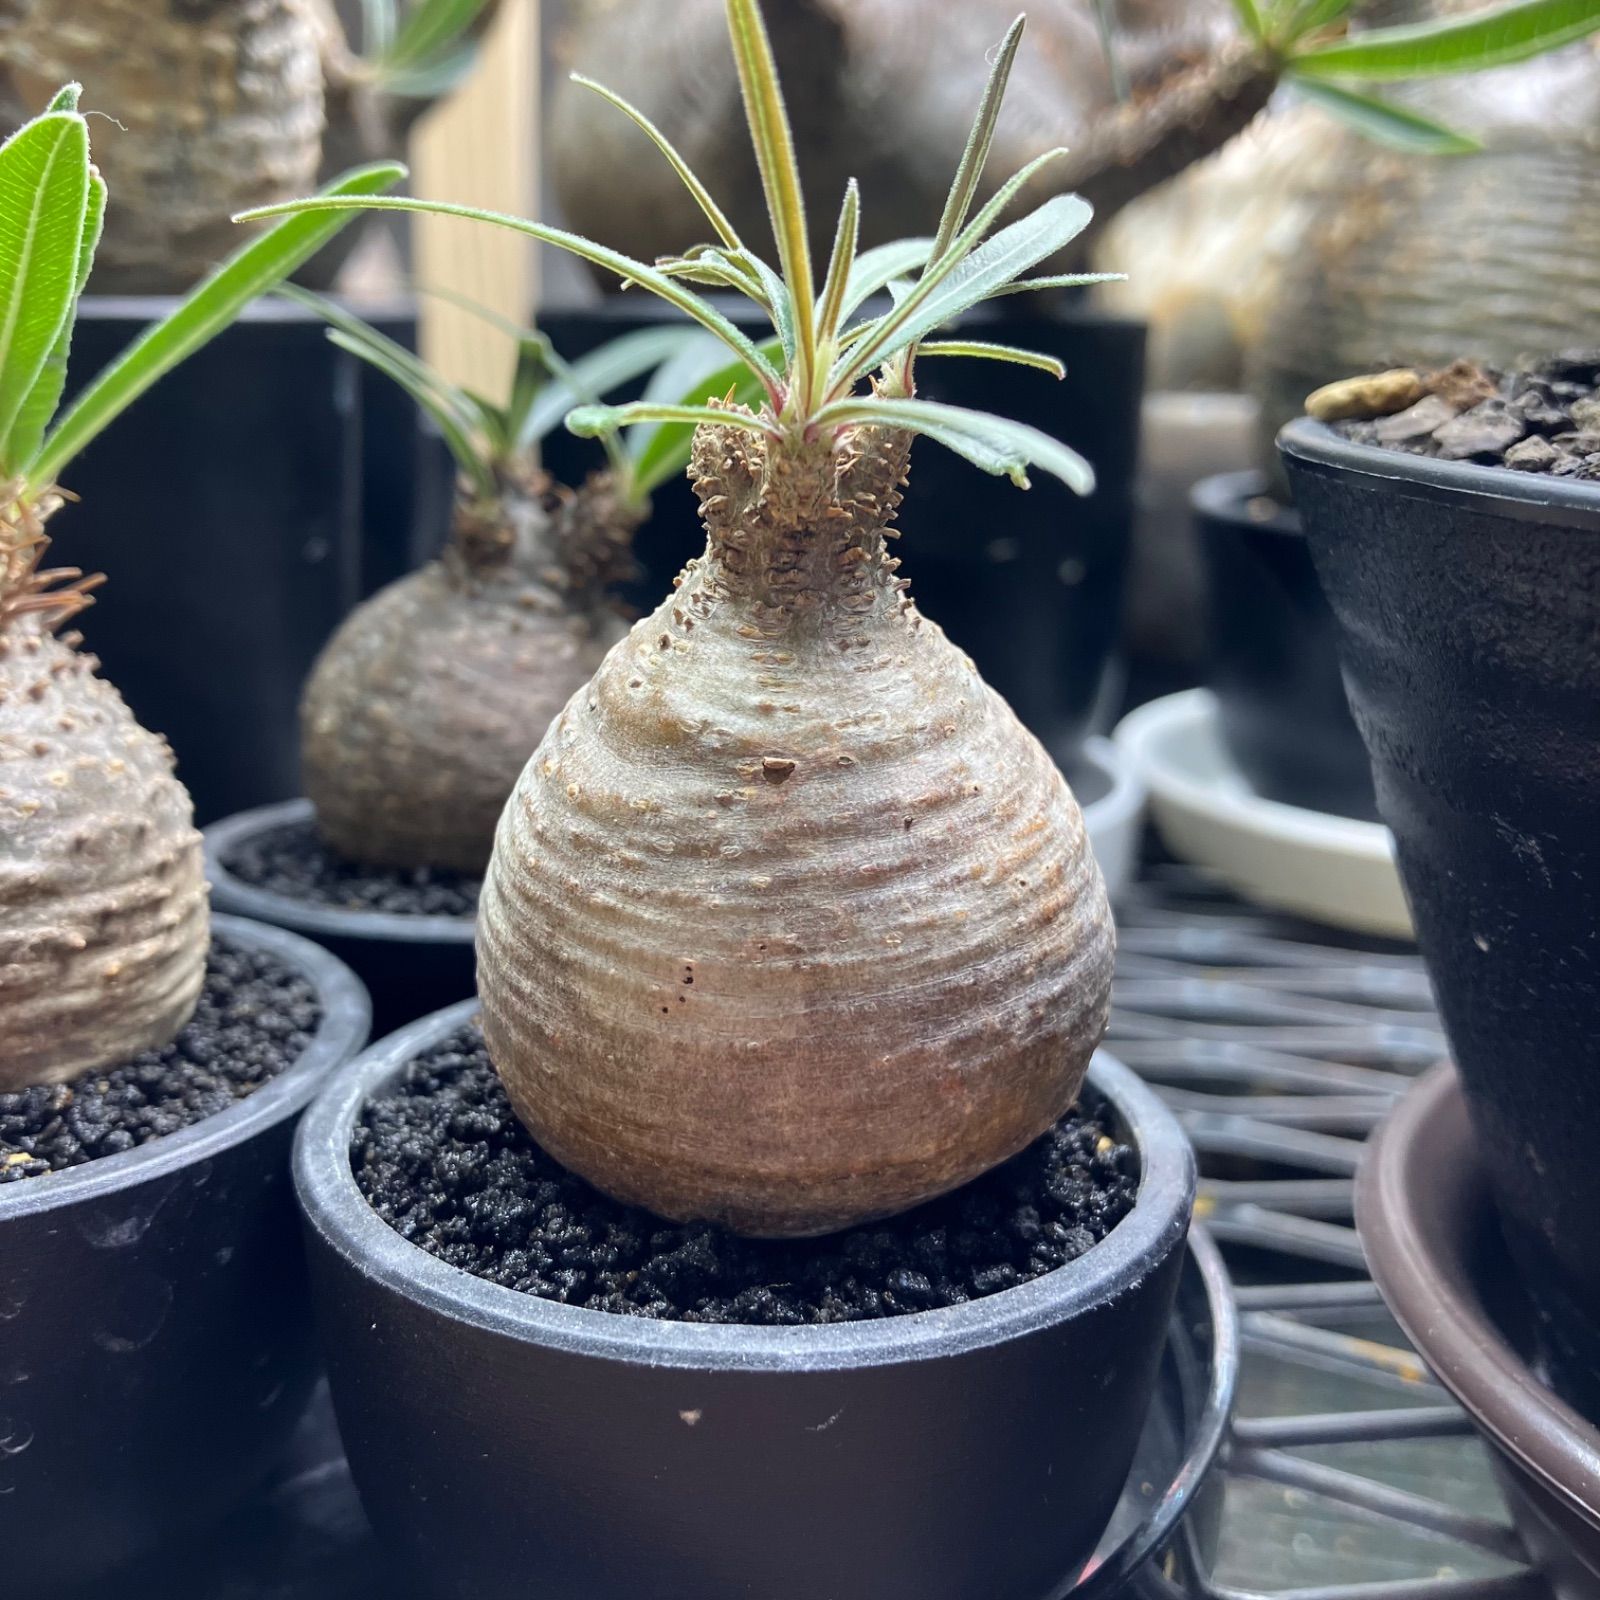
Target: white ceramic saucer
x=1112 y=795
x=1334 y=870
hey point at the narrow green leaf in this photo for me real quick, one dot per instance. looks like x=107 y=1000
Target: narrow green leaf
x=625 y=267
x=456 y=435
x=432 y=79
x=1059 y=280
x=378 y=27
x=984 y=350
x=66 y=98
x=702 y=196
x=780 y=173
x=881 y=265
x=830 y=309
x=44 y=197
x=996 y=444
x=1249 y=15
x=429 y=27
x=601 y=371
x=45 y=396
x=1385 y=123
x=589 y=422
x=1105 y=23
x=1310 y=16
x=1012 y=251
x=204 y=312
x=976 y=155
x=1452 y=44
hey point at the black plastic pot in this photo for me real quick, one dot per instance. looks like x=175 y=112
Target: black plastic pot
x=231 y=506
x=1469 y=606
x=156 y=1345
x=978 y=1450
x=1274 y=653
x=1030 y=585
x=410 y=965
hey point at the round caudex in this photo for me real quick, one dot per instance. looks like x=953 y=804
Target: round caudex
x=790 y=922
x=424 y=706
x=103 y=920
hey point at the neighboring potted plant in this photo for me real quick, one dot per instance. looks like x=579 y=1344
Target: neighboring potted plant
x=423 y=708
x=164 y=1068
x=790 y=927
x=1460 y=550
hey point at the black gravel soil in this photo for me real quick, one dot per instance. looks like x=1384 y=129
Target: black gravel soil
x=445 y=1163
x=1542 y=418
x=294 y=861
x=254 y=1020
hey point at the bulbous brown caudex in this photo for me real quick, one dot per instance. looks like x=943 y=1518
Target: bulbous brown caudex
x=423 y=708
x=103 y=919
x=790 y=923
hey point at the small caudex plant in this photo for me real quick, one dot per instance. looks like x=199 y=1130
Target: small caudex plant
x=790 y=923
x=422 y=709
x=103 y=919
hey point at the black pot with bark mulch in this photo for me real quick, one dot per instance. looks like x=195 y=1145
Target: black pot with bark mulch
x=1274 y=665
x=156 y=1345
x=942 y=1405
x=1468 y=598
x=279 y=481
x=406 y=934
x=1029 y=586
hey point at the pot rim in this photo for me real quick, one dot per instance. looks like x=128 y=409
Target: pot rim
x=1450 y=1328
x=1520 y=496
x=346 y=1019
x=336 y=1209
x=305 y=916
x=1221 y=496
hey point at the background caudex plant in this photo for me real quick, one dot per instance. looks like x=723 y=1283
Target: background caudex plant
x=789 y=922
x=422 y=709
x=103 y=924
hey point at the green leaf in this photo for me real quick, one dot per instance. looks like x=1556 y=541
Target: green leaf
x=1385 y=123
x=589 y=422
x=430 y=27
x=702 y=196
x=378 y=27
x=984 y=350
x=66 y=98
x=1012 y=251
x=996 y=444
x=1249 y=18
x=658 y=283
x=44 y=198
x=830 y=308
x=203 y=313
x=780 y=173
x=881 y=265
x=976 y=154
x=601 y=371
x=45 y=396
x=1059 y=280
x=430 y=80
x=1309 y=16
x=1472 y=43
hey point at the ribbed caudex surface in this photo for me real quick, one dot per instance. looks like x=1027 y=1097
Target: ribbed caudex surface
x=218 y=105
x=424 y=707
x=790 y=923
x=103 y=921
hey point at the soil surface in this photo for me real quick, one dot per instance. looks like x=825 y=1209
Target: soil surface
x=446 y=1164
x=294 y=861
x=1543 y=418
x=254 y=1020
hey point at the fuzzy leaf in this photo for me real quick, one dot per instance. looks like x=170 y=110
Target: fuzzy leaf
x=780 y=173
x=1059 y=280
x=1309 y=16
x=880 y=266
x=986 y=351
x=702 y=196
x=431 y=80
x=601 y=371
x=44 y=199
x=996 y=444
x=429 y=28
x=1249 y=15
x=203 y=313
x=830 y=308
x=1453 y=44
x=45 y=396
x=1385 y=123
x=590 y=422
x=625 y=267
x=976 y=154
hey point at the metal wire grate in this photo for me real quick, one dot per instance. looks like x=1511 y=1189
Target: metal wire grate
x=1350 y=1474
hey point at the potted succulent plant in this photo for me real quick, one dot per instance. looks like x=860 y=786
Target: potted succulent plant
x=1462 y=561
x=162 y=1067
x=790 y=928
x=423 y=708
